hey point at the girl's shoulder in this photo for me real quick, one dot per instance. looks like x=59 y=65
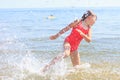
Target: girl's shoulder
x=76 y=22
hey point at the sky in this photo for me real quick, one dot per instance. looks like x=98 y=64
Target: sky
x=58 y=3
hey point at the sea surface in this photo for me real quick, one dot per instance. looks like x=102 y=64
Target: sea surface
x=25 y=47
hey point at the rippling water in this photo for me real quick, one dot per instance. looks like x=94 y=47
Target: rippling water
x=25 y=46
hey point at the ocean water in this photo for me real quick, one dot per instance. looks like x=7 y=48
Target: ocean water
x=25 y=47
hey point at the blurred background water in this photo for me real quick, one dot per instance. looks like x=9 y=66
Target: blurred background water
x=25 y=46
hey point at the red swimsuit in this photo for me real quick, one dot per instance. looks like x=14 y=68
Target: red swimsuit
x=75 y=38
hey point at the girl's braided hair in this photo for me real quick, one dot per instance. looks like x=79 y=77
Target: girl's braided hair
x=86 y=14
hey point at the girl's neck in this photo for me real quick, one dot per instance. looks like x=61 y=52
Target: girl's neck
x=85 y=25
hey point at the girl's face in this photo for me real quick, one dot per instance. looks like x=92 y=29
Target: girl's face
x=90 y=20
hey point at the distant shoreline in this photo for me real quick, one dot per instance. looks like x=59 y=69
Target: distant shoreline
x=60 y=8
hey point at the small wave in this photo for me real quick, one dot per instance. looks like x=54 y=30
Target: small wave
x=40 y=39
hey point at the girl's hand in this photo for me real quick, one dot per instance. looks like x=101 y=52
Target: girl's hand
x=86 y=37
x=54 y=36
x=81 y=33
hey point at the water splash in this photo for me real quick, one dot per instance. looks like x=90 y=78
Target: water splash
x=57 y=70
x=19 y=63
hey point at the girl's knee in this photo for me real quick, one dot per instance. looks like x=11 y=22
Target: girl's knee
x=67 y=49
x=66 y=46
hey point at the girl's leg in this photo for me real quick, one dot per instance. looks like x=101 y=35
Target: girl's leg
x=59 y=57
x=53 y=61
x=66 y=49
x=75 y=58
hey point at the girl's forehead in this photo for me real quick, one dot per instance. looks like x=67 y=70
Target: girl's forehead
x=93 y=17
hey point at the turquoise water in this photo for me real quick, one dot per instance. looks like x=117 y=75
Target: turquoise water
x=25 y=46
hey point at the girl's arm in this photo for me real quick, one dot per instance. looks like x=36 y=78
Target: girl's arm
x=86 y=37
x=62 y=31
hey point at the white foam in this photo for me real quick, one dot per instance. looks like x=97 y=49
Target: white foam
x=79 y=67
x=83 y=66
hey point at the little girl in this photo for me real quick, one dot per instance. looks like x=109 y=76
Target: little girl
x=81 y=29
